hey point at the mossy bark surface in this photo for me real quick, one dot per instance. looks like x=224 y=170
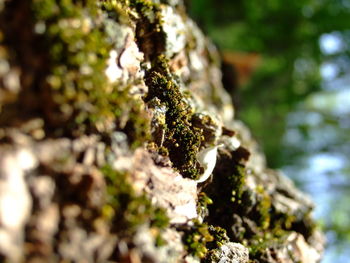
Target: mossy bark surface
x=110 y=114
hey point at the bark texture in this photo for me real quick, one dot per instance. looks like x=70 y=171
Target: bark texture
x=118 y=143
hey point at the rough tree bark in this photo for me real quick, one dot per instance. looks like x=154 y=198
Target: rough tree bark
x=118 y=143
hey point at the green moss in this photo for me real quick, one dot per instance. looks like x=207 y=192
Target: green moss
x=77 y=59
x=196 y=238
x=259 y=247
x=117 y=10
x=263 y=208
x=208 y=126
x=79 y=98
x=181 y=139
x=149 y=34
x=125 y=209
x=163 y=151
x=202 y=204
x=219 y=237
x=227 y=193
x=201 y=239
x=273 y=228
x=247 y=215
x=143 y=6
x=138 y=124
x=237 y=180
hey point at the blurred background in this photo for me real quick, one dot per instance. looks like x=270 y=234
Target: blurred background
x=287 y=65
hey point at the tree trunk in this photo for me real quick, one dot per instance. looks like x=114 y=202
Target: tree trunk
x=118 y=143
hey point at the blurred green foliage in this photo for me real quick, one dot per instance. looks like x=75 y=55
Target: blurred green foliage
x=286 y=34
